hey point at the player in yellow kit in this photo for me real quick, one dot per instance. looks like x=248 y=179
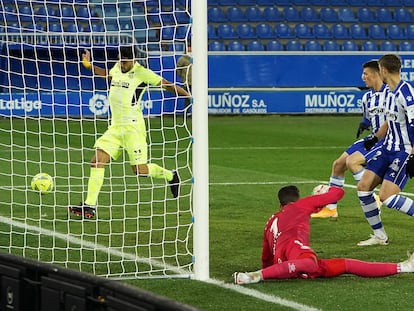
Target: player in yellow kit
x=128 y=81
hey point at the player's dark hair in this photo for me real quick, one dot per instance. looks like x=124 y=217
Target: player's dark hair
x=372 y=64
x=127 y=52
x=288 y=195
x=391 y=62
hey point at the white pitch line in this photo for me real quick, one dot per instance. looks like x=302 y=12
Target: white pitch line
x=102 y=248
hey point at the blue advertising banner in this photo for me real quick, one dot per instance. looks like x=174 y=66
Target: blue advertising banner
x=79 y=104
x=285 y=101
x=236 y=101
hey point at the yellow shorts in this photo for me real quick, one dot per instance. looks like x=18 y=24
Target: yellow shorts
x=131 y=138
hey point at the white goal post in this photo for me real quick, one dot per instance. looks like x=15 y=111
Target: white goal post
x=52 y=110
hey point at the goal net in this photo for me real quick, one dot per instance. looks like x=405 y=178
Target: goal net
x=52 y=110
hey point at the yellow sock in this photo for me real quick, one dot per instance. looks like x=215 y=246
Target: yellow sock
x=156 y=171
x=95 y=182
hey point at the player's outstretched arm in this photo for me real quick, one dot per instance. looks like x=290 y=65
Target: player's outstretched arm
x=86 y=61
x=172 y=88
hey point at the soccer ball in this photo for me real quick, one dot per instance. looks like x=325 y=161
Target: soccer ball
x=320 y=189
x=43 y=183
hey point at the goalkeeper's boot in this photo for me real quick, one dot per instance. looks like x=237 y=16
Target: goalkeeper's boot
x=246 y=277
x=408 y=265
x=83 y=209
x=175 y=184
x=326 y=213
x=373 y=240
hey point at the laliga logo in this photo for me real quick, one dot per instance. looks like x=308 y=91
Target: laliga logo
x=99 y=104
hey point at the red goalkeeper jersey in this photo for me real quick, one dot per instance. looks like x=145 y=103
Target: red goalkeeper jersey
x=286 y=234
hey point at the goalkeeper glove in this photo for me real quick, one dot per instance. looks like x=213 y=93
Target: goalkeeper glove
x=362 y=127
x=409 y=166
x=370 y=142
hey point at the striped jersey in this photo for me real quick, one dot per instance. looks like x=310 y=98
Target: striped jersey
x=399 y=111
x=126 y=92
x=373 y=107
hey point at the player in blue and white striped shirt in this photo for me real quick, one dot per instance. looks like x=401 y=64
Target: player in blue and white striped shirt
x=393 y=164
x=355 y=156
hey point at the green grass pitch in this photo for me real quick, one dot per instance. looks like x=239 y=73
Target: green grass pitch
x=250 y=157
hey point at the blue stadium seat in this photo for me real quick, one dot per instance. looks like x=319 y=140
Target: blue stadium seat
x=393 y=3
x=96 y=27
x=125 y=9
x=67 y=13
x=274 y=45
x=111 y=24
x=265 y=2
x=331 y=46
x=74 y=28
x=369 y=46
x=366 y=15
x=283 y=2
x=357 y=31
x=226 y=31
x=245 y=31
x=300 y=2
x=356 y=3
x=409 y=31
x=284 y=31
x=226 y=2
x=309 y=14
x=126 y=23
x=236 y=46
x=321 y=31
x=253 y=14
x=35 y=27
x=349 y=46
x=408 y=3
x=213 y=3
x=376 y=32
x=182 y=16
x=329 y=15
x=395 y=32
x=302 y=31
x=291 y=14
x=211 y=30
x=406 y=46
x=167 y=33
x=346 y=15
x=339 y=3
x=402 y=15
x=246 y=2
x=264 y=31
x=321 y=2
x=374 y=3
x=294 y=45
x=216 y=15
x=272 y=14
x=55 y=27
x=312 y=45
x=235 y=14
x=388 y=46
x=43 y=12
x=384 y=15
x=255 y=46
x=339 y=31
x=216 y=46
x=83 y=13
x=25 y=13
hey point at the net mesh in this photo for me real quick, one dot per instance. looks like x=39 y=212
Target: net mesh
x=52 y=110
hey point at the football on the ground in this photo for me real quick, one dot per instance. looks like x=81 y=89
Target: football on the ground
x=320 y=189
x=43 y=183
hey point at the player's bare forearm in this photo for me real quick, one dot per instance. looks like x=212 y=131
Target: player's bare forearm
x=86 y=61
x=175 y=89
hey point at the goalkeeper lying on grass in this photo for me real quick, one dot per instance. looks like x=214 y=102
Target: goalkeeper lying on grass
x=286 y=252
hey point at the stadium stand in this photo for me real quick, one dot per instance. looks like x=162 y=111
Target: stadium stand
x=243 y=20
x=274 y=45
